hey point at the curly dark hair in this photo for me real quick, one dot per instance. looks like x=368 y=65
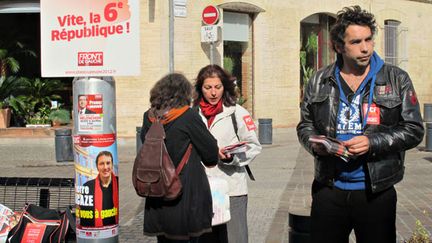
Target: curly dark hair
x=229 y=96
x=350 y=16
x=172 y=91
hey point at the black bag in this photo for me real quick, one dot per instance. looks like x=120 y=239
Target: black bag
x=42 y=224
x=154 y=174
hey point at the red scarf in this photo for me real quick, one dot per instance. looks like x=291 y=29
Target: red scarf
x=171 y=115
x=210 y=111
x=98 y=199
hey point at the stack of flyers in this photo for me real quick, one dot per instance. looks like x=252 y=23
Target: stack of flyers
x=333 y=146
x=5 y=226
x=237 y=148
x=8 y=219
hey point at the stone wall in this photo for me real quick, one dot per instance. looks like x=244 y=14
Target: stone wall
x=275 y=74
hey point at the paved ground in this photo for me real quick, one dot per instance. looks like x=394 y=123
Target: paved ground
x=283 y=172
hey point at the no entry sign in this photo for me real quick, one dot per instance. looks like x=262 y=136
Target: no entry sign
x=210 y=15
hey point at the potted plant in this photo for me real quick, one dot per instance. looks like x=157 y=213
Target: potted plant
x=40 y=118
x=59 y=117
x=5 y=115
x=9 y=86
x=11 y=47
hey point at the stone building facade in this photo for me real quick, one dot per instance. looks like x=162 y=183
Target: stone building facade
x=266 y=56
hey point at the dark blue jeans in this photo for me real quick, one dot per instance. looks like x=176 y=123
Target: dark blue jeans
x=335 y=213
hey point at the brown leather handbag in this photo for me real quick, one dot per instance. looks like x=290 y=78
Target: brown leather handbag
x=154 y=174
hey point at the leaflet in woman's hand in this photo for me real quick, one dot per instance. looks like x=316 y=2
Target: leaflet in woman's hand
x=240 y=147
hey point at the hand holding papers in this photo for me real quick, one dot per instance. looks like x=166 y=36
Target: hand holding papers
x=240 y=147
x=333 y=146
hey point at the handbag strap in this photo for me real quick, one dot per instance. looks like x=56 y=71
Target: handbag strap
x=184 y=159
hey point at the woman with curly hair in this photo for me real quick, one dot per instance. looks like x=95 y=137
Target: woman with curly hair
x=230 y=124
x=187 y=217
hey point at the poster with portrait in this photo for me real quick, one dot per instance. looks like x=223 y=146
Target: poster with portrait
x=90 y=112
x=96 y=186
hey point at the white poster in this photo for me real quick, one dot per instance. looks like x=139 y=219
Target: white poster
x=90 y=38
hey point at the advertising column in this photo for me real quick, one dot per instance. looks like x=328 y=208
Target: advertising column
x=92 y=41
x=96 y=160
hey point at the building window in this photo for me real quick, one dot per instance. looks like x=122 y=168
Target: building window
x=391 y=35
x=237 y=59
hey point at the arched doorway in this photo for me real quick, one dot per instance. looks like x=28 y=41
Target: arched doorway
x=315 y=45
x=238 y=45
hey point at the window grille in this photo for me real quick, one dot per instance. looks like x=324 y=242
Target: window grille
x=395 y=43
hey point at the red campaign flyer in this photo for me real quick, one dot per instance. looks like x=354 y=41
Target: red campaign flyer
x=90 y=112
x=33 y=233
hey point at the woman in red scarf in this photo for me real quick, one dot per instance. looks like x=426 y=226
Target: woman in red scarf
x=230 y=124
x=188 y=216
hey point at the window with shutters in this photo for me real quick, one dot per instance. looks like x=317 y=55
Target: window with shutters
x=394 y=43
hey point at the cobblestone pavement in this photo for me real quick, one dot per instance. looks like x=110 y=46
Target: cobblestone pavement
x=283 y=172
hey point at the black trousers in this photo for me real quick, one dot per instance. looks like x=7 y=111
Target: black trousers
x=335 y=213
x=163 y=239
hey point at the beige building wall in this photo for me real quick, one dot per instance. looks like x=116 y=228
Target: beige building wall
x=275 y=60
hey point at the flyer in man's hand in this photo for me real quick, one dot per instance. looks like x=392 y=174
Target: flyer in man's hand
x=333 y=146
x=240 y=147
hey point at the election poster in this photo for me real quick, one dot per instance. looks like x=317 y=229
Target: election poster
x=96 y=186
x=90 y=112
x=83 y=38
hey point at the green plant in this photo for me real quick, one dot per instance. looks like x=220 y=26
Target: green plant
x=40 y=117
x=12 y=46
x=241 y=100
x=312 y=43
x=228 y=64
x=41 y=92
x=61 y=116
x=307 y=71
x=420 y=234
x=309 y=49
x=9 y=88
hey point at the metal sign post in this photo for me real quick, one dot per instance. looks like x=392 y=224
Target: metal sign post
x=209 y=34
x=211 y=52
x=96 y=160
x=171 y=36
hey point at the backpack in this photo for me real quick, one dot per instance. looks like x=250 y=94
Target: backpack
x=154 y=174
x=38 y=224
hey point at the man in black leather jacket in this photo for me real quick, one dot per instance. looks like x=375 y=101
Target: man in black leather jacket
x=373 y=109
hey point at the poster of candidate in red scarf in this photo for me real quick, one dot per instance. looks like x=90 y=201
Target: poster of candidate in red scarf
x=97 y=198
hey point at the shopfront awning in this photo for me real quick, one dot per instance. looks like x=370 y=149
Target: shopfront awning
x=19 y=6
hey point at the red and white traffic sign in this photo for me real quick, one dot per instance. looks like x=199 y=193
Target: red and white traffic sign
x=210 y=15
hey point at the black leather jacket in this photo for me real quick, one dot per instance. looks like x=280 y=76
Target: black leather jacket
x=400 y=128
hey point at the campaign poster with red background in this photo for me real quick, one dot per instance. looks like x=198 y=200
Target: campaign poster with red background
x=90 y=112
